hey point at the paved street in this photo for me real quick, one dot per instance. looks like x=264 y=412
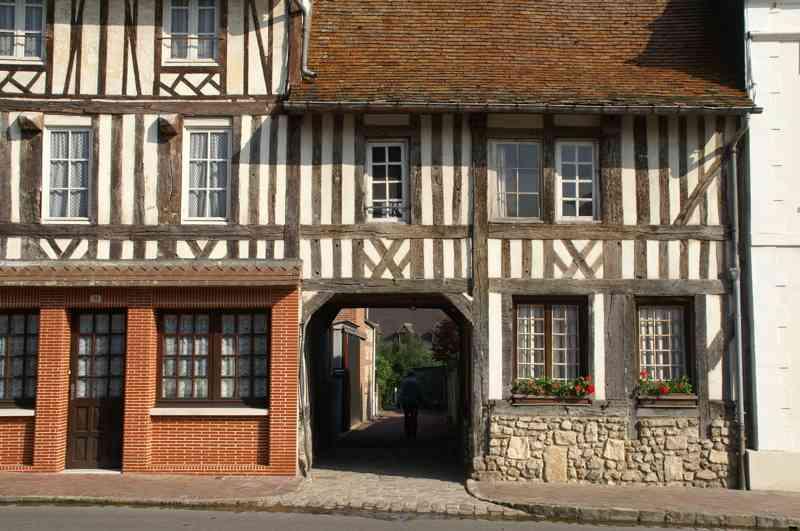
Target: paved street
x=126 y=519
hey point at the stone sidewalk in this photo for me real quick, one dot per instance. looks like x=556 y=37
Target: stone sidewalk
x=678 y=506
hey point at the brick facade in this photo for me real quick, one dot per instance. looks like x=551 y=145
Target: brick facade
x=263 y=445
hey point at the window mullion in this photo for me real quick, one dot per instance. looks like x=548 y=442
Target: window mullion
x=193 y=31
x=548 y=341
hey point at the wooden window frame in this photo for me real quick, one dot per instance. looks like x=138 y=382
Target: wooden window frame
x=7 y=373
x=596 y=188
x=493 y=185
x=583 y=331
x=206 y=126
x=47 y=168
x=191 y=60
x=688 y=320
x=404 y=163
x=20 y=59
x=214 y=360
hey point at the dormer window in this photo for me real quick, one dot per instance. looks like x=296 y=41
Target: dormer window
x=21 y=30
x=190 y=31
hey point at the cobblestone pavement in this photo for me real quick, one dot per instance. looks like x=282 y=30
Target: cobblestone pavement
x=376 y=469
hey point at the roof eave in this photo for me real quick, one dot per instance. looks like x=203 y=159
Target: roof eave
x=521 y=108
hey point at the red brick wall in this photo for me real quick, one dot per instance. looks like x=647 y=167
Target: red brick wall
x=229 y=445
x=16 y=443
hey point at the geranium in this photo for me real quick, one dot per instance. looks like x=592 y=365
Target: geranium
x=651 y=387
x=580 y=387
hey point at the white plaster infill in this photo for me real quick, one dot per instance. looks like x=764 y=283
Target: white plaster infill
x=17 y=412
x=208 y=412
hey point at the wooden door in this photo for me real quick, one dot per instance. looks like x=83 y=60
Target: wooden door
x=96 y=390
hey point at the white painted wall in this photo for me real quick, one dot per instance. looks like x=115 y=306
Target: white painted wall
x=775 y=233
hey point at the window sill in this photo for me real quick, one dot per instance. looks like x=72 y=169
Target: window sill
x=17 y=412
x=532 y=400
x=205 y=221
x=190 y=63
x=66 y=221
x=510 y=221
x=683 y=401
x=8 y=61
x=578 y=221
x=208 y=412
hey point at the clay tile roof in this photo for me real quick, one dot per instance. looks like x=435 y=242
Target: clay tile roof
x=524 y=52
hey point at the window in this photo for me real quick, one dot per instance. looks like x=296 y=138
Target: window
x=69 y=165
x=577 y=190
x=663 y=340
x=209 y=175
x=19 y=345
x=518 y=176
x=191 y=29
x=21 y=29
x=386 y=181
x=100 y=358
x=207 y=356
x=550 y=338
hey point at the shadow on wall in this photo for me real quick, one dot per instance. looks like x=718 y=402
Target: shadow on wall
x=715 y=38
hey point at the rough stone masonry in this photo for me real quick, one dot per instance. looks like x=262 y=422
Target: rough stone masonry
x=665 y=451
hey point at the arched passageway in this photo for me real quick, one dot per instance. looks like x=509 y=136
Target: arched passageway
x=379 y=446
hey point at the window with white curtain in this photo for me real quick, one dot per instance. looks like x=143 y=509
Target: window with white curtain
x=386 y=176
x=191 y=30
x=548 y=343
x=69 y=166
x=517 y=182
x=577 y=190
x=21 y=29
x=208 y=185
x=662 y=341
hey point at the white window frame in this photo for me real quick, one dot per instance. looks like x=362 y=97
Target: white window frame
x=404 y=176
x=493 y=186
x=45 y=213
x=19 y=34
x=192 y=36
x=210 y=126
x=679 y=357
x=595 y=217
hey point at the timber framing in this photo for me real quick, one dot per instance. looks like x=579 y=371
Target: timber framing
x=608 y=232
x=655 y=288
x=186 y=105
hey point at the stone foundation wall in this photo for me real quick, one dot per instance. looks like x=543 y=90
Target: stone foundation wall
x=665 y=451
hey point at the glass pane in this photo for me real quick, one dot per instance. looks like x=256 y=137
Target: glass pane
x=528 y=181
x=219 y=146
x=568 y=208
x=205 y=21
x=184 y=388
x=395 y=172
x=186 y=346
x=117 y=342
x=18 y=324
x=244 y=387
x=170 y=346
x=102 y=322
x=568 y=190
x=197 y=204
x=58 y=174
x=378 y=154
x=115 y=387
x=198 y=146
x=585 y=208
x=228 y=348
x=586 y=154
x=187 y=324
x=201 y=346
x=528 y=206
x=244 y=366
x=568 y=153
x=79 y=204
x=116 y=368
x=507 y=156
x=30 y=388
x=201 y=367
x=378 y=172
x=168 y=388
x=3 y=324
x=259 y=323
x=2 y=389
x=83 y=366
x=511 y=205
x=228 y=366
x=201 y=323
x=396 y=192
x=99 y=388
x=568 y=172
x=379 y=191
x=260 y=345
x=33 y=45
x=180 y=20
x=18 y=346
x=84 y=345
x=59 y=145
x=179 y=47
x=33 y=17
x=170 y=324
x=100 y=366
x=80 y=145
x=118 y=323
x=101 y=345
x=228 y=324
x=227 y=387
x=17 y=366
x=168 y=367
x=184 y=366
x=217 y=205
x=586 y=190
x=245 y=324
x=260 y=367
x=7 y=16
x=206 y=46
x=260 y=390
x=395 y=154
x=529 y=156
x=198 y=174
x=7 y=44
x=585 y=172
x=58 y=204
x=82 y=390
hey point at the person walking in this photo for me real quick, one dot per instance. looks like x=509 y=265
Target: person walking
x=410 y=398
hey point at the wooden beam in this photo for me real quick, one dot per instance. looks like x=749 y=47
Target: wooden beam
x=404 y=286
x=185 y=105
x=663 y=288
x=584 y=231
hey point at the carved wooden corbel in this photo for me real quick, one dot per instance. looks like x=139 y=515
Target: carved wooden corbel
x=30 y=123
x=168 y=125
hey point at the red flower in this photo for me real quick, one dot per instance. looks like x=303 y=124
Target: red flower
x=590 y=389
x=663 y=390
x=588 y=379
x=578 y=389
x=644 y=375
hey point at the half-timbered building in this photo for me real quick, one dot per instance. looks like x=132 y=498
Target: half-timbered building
x=191 y=191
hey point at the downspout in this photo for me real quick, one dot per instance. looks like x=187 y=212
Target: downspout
x=306 y=8
x=735 y=274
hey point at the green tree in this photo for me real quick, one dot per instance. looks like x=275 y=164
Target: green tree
x=395 y=359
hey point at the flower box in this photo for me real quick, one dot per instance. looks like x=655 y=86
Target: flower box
x=671 y=400
x=538 y=400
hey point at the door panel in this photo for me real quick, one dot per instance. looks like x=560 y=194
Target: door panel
x=96 y=390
